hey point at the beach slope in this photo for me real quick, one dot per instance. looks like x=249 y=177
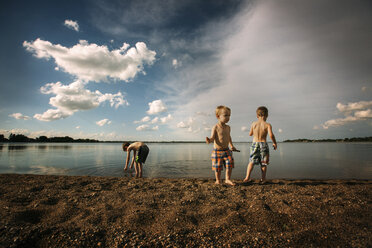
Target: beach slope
x=81 y=211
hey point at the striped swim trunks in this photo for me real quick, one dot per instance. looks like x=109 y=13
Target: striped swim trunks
x=259 y=153
x=222 y=158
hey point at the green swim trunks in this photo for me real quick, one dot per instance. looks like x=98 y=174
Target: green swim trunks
x=143 y=151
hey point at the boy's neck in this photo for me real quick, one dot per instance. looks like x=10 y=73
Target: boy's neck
x=222 y=123
x=261 y=118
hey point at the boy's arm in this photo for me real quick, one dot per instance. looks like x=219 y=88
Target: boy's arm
x=213 y=136
x=251 y=130
x=272 y=136
x=128 y=157
x=232 y=146
x=133 y=159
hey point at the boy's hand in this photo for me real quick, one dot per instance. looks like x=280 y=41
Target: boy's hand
x=208 y=140
x=275 y=146
x=234 y=149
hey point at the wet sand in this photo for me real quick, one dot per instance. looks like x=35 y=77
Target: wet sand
x=80 y=211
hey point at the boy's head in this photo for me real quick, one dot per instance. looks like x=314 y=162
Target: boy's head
x=262 y=112
x=223 y=113
x=125 y=146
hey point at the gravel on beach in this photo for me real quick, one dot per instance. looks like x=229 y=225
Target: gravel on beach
x=83 y=211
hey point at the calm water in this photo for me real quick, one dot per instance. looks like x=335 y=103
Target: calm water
x=291 y=160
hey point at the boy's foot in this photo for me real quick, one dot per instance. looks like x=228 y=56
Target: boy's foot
x=125 y=168
x=217 y=182
x=263 y=181
x=230 y=182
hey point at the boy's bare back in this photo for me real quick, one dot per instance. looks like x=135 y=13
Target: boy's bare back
x=259 y=130
x=135 y=146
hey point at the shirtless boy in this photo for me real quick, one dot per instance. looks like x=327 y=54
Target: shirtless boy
x=140 y=152
x=260 y=150
x=221 y=155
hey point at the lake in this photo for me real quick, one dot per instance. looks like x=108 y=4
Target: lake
x=188 y=160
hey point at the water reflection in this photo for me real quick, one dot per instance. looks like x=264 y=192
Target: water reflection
x=17 y=147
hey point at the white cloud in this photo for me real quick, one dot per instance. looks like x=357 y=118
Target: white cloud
x=91 y=62
x=156 y=107
x=155 y=120
x=72 y=25
x=244 y=129
x=147 y=128
x=77 y=127
x=20 y=116
x=182 y=125
x=363 y=114
x=103 y=122
x=144 y=119
x=352 y=106
x=176 y=63
x=166 y=118
x=353 y=112
x=71 y=98
x=280 y=130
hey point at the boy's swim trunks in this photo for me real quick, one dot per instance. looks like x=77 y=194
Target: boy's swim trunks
x=259 y=153
x=222 y=158
x=143 y=151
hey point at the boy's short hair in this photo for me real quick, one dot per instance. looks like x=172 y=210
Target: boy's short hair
x=219 y=108
x=262 y=111
x=125 y=145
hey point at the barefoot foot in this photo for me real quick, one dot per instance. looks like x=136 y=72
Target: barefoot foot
x=230 y=182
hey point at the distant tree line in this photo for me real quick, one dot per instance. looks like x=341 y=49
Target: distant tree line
x=24 y=138
x=356 y=139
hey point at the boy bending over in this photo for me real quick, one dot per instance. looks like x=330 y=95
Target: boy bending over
x=140 y=152
x=221 y=155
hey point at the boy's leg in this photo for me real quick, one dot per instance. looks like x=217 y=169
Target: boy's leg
x=218 y=176
x=249 y=171
x=136 y=168
x=263 y=172
x=140 y=169
x=228 y=176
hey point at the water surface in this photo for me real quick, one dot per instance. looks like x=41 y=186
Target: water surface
x=176 y=160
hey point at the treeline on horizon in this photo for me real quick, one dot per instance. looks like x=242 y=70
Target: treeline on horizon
x=66 y=139
x=24 y=138
x=355 y=139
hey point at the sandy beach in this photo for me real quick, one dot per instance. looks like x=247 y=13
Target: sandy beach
x=81 y=211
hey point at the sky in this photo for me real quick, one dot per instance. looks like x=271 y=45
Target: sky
x=156 y=70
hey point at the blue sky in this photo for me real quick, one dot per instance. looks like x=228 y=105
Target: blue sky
x=156 y=70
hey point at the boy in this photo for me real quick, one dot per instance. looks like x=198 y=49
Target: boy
x=142 y=150
x=221 y=155
x=259 y=149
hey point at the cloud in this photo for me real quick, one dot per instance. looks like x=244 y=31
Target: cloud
x=71 y=98
x=166 y=118
x=156 y=107
x=20 y=116
x=176 y=63
x=353 y=112
x=144 y=119
x=352 y=106
x=280 y=130
x=147 y=128
x=103 y=122
x=155 y=120
x=182 y=125
x=72 y=25
x=244 y=129
x=91 y=62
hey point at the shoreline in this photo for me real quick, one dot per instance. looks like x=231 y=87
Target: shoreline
x=95 y=211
